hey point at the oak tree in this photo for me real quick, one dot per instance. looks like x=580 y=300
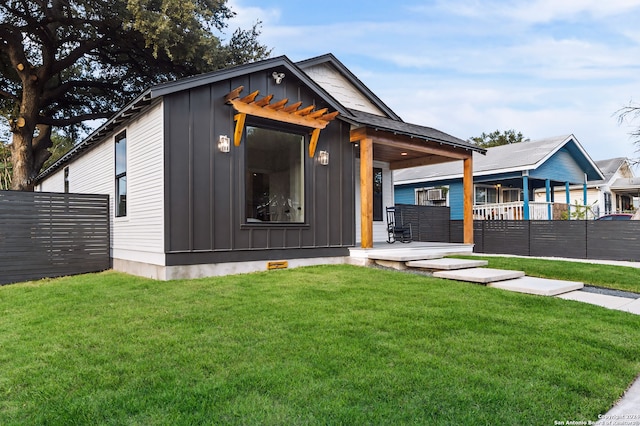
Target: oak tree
x=63 y=62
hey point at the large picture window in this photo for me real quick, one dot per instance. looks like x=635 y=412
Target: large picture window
x=274 y=170
x=121 y=175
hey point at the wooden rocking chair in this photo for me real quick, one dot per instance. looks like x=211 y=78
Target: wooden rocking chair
x=397 y=231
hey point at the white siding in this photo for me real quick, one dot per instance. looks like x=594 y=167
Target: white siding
x=54 y=183
x=379 y=227
x=140 y=235
x=341 y=89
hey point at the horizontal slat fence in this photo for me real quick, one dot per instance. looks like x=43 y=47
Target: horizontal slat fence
x=428 y=223
x=576 y=239
x=51 y=235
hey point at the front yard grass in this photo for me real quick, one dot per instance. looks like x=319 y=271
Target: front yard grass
x=317 y=345
x=608 y=276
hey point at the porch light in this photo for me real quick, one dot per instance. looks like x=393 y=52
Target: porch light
x=224 y=143
x=323 y=158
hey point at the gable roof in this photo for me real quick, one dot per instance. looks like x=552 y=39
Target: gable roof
x=608 y=167
x=521 y=156
x=332 y=61
x=133 y=108
x=393 y=123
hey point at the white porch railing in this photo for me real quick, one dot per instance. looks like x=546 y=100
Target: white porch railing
x=513 y=211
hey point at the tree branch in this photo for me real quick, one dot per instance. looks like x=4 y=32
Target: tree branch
x=85 y=47
x=62 y=122
x=6 y=94
x=56 y=93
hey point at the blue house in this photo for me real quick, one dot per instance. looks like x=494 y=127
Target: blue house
x=505 y=180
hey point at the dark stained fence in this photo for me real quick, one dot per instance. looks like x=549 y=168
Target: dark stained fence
x=497 y=234
x=551 y=238
x=615 y=240
x=576 y=239
x=428 y=223
x=51 y=235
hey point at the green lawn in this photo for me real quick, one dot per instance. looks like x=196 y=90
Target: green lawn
x=608 y=276
x=318 y=345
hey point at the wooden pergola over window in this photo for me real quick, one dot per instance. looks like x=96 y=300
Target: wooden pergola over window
x=306 y=116
x=405 y=151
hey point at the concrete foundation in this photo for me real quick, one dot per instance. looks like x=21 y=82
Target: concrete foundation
x=165 y=273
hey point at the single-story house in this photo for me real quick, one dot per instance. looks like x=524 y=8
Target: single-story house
x=504 y=180
x=268 y=164
x=613 y=194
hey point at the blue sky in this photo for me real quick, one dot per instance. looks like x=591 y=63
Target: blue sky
x=542 y=67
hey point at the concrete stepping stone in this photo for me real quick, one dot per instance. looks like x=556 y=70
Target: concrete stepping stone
x=539 y=286
x=479 y=275
x=404 y=255
x=447 y=264
x=604 y=300
x=633 y=307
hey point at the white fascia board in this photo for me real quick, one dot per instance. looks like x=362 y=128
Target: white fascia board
x=460 y=175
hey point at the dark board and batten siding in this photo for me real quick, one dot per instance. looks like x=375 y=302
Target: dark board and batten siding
x=205 y=188
x=50 y=235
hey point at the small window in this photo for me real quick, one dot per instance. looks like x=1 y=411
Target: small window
x=377 y=194
x=511 y=195
x=607 y=203
x=486 y=195
x=121 y=175
x=274 y=170
x=66 y=180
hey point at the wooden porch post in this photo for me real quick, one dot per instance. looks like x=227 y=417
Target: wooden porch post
x=467 y=185
x=366 y=193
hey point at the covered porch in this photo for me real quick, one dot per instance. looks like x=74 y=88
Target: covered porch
x=402 y=145
x=527 y=197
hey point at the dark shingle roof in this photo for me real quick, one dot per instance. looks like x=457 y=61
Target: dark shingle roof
x=413 y=130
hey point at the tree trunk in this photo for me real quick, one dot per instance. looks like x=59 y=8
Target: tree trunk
x=31 y=141
x=28 y=154
x=22 y=159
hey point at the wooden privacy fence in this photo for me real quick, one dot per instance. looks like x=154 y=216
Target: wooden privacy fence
x=51 y=235
x=578 y=239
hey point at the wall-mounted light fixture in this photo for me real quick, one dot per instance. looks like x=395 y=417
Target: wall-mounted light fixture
x=224 y=143
x=323 y=158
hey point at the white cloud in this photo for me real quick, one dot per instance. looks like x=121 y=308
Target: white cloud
x=539 y=11
x=468 y=67
x=246 y=16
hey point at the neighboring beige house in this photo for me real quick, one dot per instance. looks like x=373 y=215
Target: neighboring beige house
x=613 y=194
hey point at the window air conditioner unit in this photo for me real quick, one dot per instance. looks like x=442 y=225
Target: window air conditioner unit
x=434 y=194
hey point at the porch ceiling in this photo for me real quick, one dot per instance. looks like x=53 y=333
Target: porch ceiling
x=402 y=151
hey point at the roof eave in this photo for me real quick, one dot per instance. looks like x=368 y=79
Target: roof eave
x=355 y=121
x=125 y=114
